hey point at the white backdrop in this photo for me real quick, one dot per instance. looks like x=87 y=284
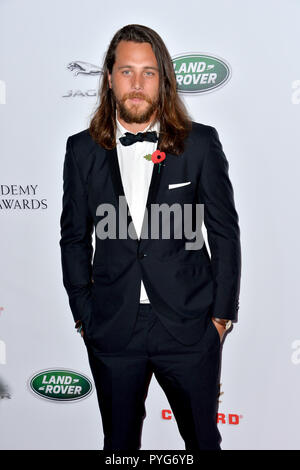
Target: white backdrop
x=257 y=116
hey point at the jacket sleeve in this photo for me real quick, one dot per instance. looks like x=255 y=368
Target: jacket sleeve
x=222 y=224
x=76 y=238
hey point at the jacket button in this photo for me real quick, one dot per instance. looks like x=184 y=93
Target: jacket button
x=142 y=255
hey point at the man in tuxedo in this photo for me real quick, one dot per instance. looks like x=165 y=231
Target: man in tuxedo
x=149 y=304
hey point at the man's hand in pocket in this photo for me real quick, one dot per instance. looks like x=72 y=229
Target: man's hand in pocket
x=78 y=326
x=221 y=329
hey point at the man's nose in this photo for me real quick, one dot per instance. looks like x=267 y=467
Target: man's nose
x=137 y=82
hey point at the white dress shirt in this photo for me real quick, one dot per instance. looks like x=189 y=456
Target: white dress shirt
x=136 y=173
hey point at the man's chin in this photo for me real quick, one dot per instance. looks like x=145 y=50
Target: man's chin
x=136 y=109
x=136 y=113
x=135 y=117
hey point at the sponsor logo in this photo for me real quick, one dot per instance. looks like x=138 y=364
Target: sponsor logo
x=84 y=68
x=60 y=385
x=195 y=73
x=200 y=73
x=166 y=414
x=230 y=418
x=222 y=418
x=21 y=197
x=79 y=67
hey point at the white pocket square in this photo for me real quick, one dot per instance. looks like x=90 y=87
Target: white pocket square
x=177 y=185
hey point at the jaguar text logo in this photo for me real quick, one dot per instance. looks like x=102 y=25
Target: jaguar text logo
x=60 y=385
x=198 y=73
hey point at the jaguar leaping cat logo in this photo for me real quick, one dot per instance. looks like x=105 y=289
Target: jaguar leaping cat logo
x=84 y=68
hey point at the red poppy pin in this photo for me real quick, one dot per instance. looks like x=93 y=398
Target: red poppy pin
x=156 y=157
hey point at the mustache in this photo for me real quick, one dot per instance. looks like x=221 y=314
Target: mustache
x=137 y=95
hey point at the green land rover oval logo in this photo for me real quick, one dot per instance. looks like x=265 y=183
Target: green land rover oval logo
x=198 y=73
x=60 y=385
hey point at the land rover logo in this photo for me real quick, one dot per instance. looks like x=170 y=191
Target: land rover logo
x=60 y=385
x=197 y=73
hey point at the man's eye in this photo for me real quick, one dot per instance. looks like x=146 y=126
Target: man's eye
x=126 y=72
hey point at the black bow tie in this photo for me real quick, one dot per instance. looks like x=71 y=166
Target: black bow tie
x=150 y=136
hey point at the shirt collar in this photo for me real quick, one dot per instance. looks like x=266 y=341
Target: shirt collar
x=153 y=126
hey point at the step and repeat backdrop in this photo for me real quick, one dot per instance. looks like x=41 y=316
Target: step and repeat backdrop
x=237 y=69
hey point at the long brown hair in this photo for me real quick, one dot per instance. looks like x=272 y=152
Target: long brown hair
x=175 y=122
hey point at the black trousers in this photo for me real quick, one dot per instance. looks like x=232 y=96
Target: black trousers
x=189 y=376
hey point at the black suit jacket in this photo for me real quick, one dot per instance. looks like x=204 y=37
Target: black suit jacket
x=185 y=287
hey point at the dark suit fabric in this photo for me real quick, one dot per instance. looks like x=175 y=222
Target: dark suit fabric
x=189 y=376
x=185 y=287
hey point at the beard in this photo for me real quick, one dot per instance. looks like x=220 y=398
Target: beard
x=133 y=114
